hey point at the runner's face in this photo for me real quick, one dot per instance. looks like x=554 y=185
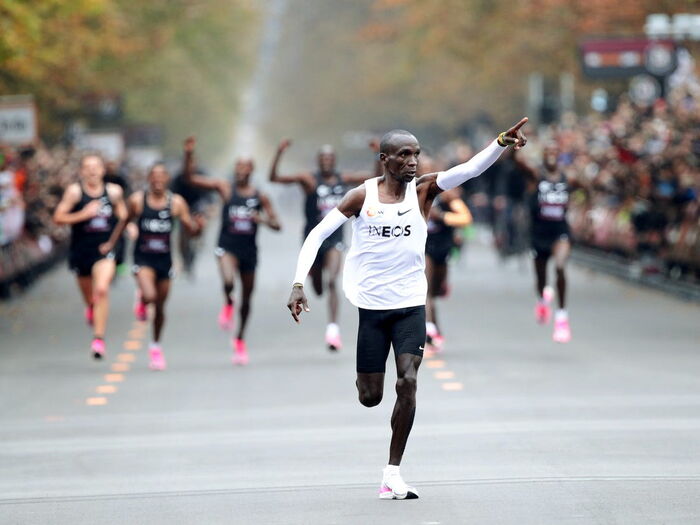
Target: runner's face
x=326 y=162
x=243 y=170
x=158 y=179
x=402 y=161
x=92 y=170
x=550 y=157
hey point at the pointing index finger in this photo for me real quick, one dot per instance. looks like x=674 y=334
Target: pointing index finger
x=520 y=124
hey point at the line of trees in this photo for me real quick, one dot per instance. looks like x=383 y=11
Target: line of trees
x=177 y=63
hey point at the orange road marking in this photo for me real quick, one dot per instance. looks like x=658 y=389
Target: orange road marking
x=120 y=367
x=114 y=378
x=132 y=345
x=135 y=334
x=95 y=401
x=452 y=386
x=126 y=358
x=53 y=419
x=435 y=364
x=444 y=374
x=106 y=389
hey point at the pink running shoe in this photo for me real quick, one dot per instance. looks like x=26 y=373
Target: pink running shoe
x=240 y=353
x=140 y=311
x=543 y=313
x=548 y=294
x=334 y=342
x=226 y=318
x=156 y=359
x=98 y=348
x=562 y=331
x=89 y=315
x=437 y=342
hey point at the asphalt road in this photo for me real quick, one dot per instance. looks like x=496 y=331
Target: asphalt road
x=511 y=428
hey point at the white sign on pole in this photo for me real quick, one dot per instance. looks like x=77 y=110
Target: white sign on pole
x=18 y=121
x=110 y=144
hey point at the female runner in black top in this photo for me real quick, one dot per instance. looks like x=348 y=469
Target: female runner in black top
x=97 y=215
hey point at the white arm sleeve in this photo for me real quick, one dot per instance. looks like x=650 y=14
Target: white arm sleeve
x=320 y=233
x=474 y=167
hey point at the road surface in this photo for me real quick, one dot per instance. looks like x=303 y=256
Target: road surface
x=510 y=428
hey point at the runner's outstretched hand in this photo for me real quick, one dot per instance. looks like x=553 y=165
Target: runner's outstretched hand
x=514 y=137
x=297 y=302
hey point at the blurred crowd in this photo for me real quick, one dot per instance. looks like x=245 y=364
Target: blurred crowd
x=31 y=183
x=635 y=180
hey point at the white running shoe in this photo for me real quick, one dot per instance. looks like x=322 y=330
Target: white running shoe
x=394 y=487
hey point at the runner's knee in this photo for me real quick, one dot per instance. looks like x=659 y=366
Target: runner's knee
x=369 y=395
x=370 y=399
x=406 y=387
x=100 y=291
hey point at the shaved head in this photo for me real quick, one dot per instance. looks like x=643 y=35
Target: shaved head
x=394 y=138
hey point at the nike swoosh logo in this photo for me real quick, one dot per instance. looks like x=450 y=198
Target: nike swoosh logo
x=420 y=348
x=404 y=212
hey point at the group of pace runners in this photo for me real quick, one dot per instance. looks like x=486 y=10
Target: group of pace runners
x=404 y=215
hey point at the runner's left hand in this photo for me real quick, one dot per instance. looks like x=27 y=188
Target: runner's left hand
x=105 y=248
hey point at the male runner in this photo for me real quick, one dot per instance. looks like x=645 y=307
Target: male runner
x=385 y=274
x=549 y=199
x=244 y=208
x=97 y=214
x=198 y=201
x=114 y=175
x=324 y=190
x=154 y=211
x=447 y=213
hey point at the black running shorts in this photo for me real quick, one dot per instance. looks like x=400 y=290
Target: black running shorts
x=402 y=328
x=162 y=266
x=438 y=249
x=81 y=263
x=544 y=235
x=247 y=256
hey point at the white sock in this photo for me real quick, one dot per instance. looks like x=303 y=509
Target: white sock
x=332 y=329
x=431 y=328
x=391 y=470
x=153 y=345
x=561 y=315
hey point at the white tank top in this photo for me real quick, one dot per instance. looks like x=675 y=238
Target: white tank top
x=385 y=267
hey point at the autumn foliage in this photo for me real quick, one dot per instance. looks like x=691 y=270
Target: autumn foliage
x=171 y=59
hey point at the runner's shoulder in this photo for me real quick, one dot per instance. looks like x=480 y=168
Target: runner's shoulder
x=114 y=191
x=353 y=201
x=73 y=191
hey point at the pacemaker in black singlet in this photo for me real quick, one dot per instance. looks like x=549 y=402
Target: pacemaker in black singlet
x=318 y=204
x=152 y=249
x=440 y=236
x=239 y=230
x=548 y=206
x=87 y=236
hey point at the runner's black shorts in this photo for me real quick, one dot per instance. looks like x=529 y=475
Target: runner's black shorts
x=545 y=235
x=402 y=328
x=81 y=262
x=438 y=249
x=161 y=265
x=247 y=256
